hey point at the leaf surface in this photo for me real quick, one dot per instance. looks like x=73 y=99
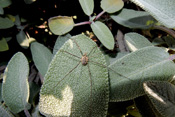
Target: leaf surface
x=162 y=10
x=5 y=3
x=162 y=96
x=22 y=39
x=4 y=112
x=5 y=23
x=41 y=56
x=87 y=6
x=112 y=6
x=73 y=89
x=60 y=41
x=148 y=63
x=136 y=41
x=15 y=88
x=134 y=19
x=104 y=34
x=61 y=24
x=3 y=45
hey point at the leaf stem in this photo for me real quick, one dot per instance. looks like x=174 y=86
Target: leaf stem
x=165 y=29
x=99 y=15
x=27 y=113
x=82 y=23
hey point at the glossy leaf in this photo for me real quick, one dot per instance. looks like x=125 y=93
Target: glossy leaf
x=5 y=3
x=4 y=112
x=5 y=23
x=162 y=10
x=60 y=41
x=87 y=6
x=162 y=96
x=73 y=89
x=134 y=19
x=22 y=39
x=104 y=34
x=136 y=41
x=41 y=56
x=61 y=24
x=15 y=88
x=149 y=63
x=3 y=45
x=112 y=6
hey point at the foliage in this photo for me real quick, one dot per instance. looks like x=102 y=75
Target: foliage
x=122 y=64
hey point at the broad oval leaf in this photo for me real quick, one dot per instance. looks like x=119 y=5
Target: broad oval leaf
x=59 y=42
x=162 y=10
x=87 y=6
x=104 y=34
x=15 y=88
x=4 y=112
x=73 y=89
x=5 y=23
x=22 y=39
x=41 y=56
x=5 y=3
x=149 y=63
x=3 y=45
x=136 y=41
x=162 y=96
x=134 y=19
x=61 y=24
x=112 y=6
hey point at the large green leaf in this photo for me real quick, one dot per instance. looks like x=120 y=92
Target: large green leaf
x=149 y=63
x=4 y=112
x=104 y=34
x=136 y=41
x=3 y=45
x=73 y=89
x=162 y=96
x=162 y=10
x=15 y=88
x=41 y=56
x=22 y=39
x=5 y=3
x=134 y=19
x=112 y=6
x=5 y=23
x=59 y=42
x=87 y=6
x=61 y=24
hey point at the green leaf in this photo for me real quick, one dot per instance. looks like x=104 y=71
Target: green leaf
x=22 y=39
x=112 y=6
x=60 y=41
x=134 y=19
x=35 y=112
x=5 y=23
x=104 y=34
x=136 y=41
x=73 y=89
x=1 y=92
x=5 y=3
x=34 y=90
x=61 y=24
x=15 y=88
x=170 y=41
x=41 y=56
x=4 y=112
x=3 y=45
x=162 y=10
x=162 y=96
x=149 y=63
x=1 y=11
x=87 y=6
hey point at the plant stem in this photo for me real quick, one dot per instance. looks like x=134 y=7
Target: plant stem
x=167 y=30
x=27 y=113
x=83 y=23
x=99 y=15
